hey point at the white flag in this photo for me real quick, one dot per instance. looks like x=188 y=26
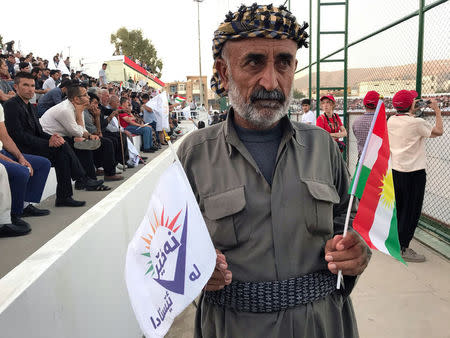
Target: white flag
x=171 y=256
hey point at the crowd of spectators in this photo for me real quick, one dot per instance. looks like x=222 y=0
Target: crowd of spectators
x=355 y=104
x=82 y=126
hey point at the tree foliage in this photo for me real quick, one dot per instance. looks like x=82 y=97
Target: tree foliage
x=298 y=94
x=133 y=44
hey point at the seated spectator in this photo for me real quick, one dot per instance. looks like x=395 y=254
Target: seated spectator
x=128 y=122
x=10 y=62
x=66 y=119
x=50 y=83
x=45 y=75
x=27 y=175
x=25 y=130
x=149 y=115
x=118 y=138
x=105 y=155
x=6 y=90
x=24 y=67
x=52 y=97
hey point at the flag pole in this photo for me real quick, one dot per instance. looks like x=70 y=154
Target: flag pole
x=172 y=149
x=355 y=181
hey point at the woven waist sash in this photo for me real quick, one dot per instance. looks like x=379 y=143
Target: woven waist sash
x=274 y=296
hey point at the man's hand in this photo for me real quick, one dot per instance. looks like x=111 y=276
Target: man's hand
x=434 y=105
x=349 y=254
x=24 y=162
x=94 y=137
x=130 y=136
x=56 y=141
x=221 y=276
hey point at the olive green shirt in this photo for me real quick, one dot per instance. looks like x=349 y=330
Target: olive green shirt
x=271 y=232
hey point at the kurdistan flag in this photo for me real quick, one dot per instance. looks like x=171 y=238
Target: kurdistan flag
x=180 y=98
x=376 y=219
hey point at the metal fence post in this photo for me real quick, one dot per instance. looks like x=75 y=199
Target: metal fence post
x=420 y=48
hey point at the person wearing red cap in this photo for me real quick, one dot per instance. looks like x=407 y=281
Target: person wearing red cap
x=407 y=134
x=331 y=121
x=361 y=126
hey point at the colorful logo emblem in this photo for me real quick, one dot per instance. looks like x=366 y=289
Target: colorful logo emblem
x=167 y=252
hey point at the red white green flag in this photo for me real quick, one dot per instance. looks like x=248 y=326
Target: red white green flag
x=180 y=98
x=376 y=219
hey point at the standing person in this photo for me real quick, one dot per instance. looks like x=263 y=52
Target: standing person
x=102 y=75
x=308 y=116
x=362 y=124
x=407 y=135
x=330 y=121
x=273 y=194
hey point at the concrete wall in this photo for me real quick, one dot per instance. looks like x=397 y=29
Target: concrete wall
x=74 y=285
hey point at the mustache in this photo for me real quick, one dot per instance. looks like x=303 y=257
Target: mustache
x=263 y=94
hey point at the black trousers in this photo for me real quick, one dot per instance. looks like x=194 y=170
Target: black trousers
x=67 y=166
x=105 y=157
x=86 y=158
x=409 y=192
x=115 y=138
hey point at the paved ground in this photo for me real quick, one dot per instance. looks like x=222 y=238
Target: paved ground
x=391 y=300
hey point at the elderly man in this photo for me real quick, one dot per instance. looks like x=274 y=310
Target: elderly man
x=273 y=195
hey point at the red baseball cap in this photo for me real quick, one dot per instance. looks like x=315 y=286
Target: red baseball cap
x=403 y=99
x=371 y=99
x=329 y=97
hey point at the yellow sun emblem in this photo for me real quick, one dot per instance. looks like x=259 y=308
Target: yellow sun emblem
x=387 y=190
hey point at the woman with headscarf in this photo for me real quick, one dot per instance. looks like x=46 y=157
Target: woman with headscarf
x=330 y=121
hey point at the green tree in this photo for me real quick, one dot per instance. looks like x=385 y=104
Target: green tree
x=298 y=94
x=132 y=43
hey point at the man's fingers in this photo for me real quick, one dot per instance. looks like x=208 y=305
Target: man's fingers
x=348 y=254
x=352 y=267
x=348 y=241
x=331 y=244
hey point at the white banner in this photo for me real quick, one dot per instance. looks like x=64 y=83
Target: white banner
x=160 y=106
x=171 y=256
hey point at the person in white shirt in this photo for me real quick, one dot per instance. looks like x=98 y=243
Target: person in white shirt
x=407 y=134
x=50 y=83
x=67 y=119
x=308 y=116
x=102 y=75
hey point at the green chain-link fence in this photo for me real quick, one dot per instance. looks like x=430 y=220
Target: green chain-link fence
x=392 y=46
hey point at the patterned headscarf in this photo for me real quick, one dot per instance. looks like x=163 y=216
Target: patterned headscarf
x=256 y=22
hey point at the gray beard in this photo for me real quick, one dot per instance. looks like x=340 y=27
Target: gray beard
x=260 y=117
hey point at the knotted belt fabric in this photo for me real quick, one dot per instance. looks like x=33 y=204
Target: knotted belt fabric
x=274 y=296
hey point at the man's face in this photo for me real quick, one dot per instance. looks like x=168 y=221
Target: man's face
x=82 y=99
x=258 y=77
x=56 y=76
x=126 y=106
x=46 y=72
x=26 y=69
x=327 y=105
x=104 y=98
x=25 y=88
x=12 y=59
x=104 y=67
x=3 y=68
x=93 y=105
x=114 y=103
x=305 y=107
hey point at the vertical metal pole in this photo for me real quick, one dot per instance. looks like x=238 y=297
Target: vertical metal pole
x=318 y=61
x=200 y=57
x=289 y=4
x=420 y=48
x=310 y=50
x=346 y=118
